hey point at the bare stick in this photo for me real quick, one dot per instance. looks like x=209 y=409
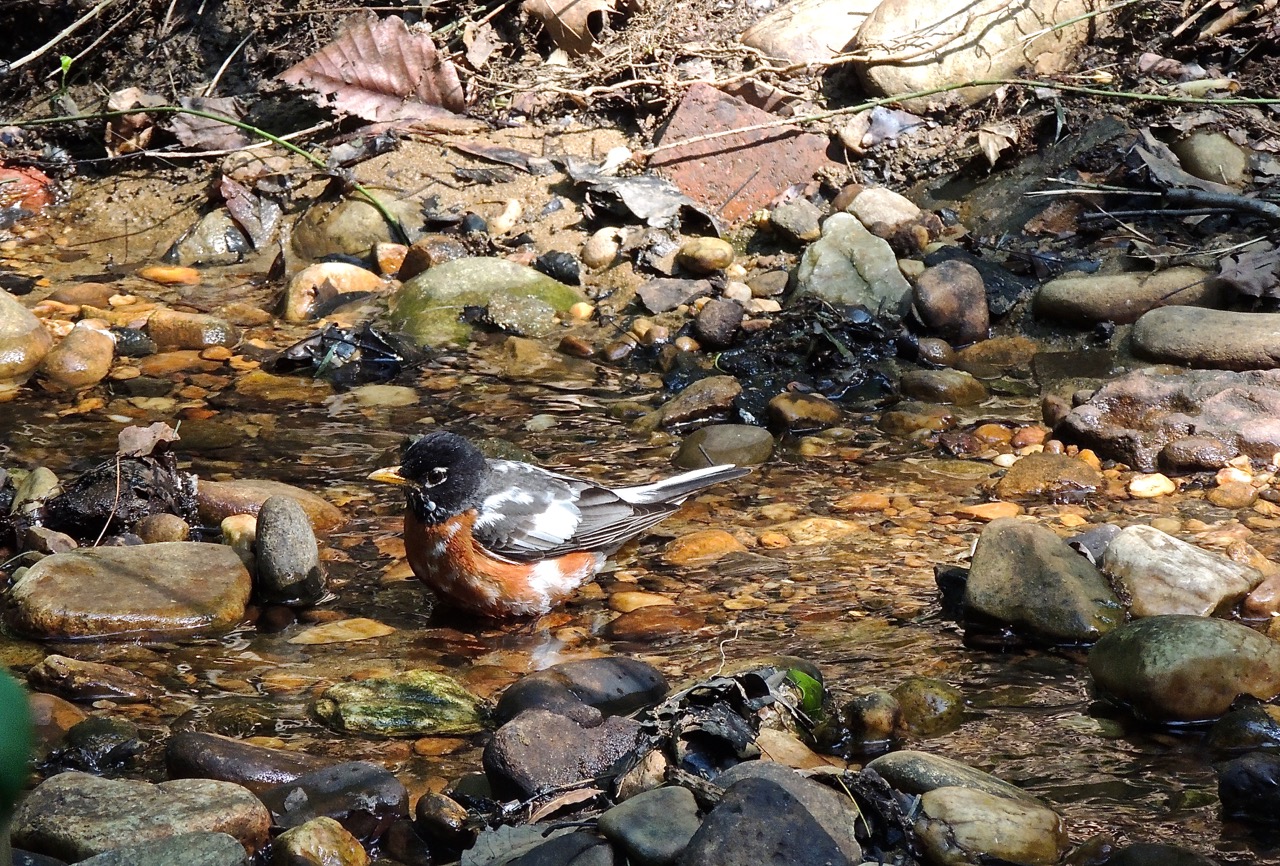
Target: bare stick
x=208 y=91
x=76 y=25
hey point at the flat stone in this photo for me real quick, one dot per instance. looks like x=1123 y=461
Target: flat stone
x=808 y=31
x=954 y=387
x=653 y=828
x=1085 y=299
x=704 y=400
x=187 y=849
x=615 y=684
x=190 y=754
x=1049 y=476
x=76 y=816
x=717 y=444
x=1162 y=574
x=169 y=589
x=917 y=773
x=1215 y=339
x=217 y=500
x=834 y=812
x=737 y=174
x=965 y=825
x=405 y=703
x=849 y=265
x=538 y=750
x=364 y=798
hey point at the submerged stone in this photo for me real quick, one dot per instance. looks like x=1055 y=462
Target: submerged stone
x=412 y=703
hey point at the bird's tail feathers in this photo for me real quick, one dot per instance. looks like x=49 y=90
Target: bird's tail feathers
x=677 y=488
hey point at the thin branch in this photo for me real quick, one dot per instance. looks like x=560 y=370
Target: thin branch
x=76 y=25
x=209 y=88
x=94 y=44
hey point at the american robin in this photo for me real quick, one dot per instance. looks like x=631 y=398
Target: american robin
x=502 y=538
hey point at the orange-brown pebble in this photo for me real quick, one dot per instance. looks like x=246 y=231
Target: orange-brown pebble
x=772 y=540
x=434 y=747
x=1053 y=446
x=630 y=599
x=1086 y=455
x=990 y=510
x=993 y=433
x=862 y=502
x=217 y=353
x=389 y=257
x=1024 y=436
x=702 y=546
x=170 y=275
x=1233 y=494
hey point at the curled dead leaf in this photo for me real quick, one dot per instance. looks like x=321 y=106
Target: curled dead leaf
x=996 y=138
x=381 y=70
x=573 y=25
x=129 y=133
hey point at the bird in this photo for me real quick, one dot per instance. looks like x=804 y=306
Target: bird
x=503 y=539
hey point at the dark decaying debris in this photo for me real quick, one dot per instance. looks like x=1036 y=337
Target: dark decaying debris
x=348 y=356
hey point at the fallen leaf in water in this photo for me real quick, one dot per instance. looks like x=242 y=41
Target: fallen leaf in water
x=381 y=70
x=342 y=631
x=256 y=215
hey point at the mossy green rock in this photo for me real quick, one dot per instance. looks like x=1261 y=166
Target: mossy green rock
x=409 y=704
x=427 y=307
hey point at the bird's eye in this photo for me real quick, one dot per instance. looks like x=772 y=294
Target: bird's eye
x=436 y=475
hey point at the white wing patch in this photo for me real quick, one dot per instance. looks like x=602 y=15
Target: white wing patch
x=557 y=522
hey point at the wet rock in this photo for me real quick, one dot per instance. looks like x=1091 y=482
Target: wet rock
x=172 y=330
x=75 y=816
x=364 y=798
x=652 y=828
x=768 y=284
x=97 y=745
x=1155 y=854
x=409 y=703
x=1163 y=575
x=46 y=540
x=319 y=841
x=217 y=500
x=849 y=265
x=429 y=251
x=870 y=722
x=1216 y=339
x=442 y=822
x=1249 y=787
x=808 y=31
x=1246 y=729
x=342 y=631
x=958 y=826
x=524 y=316
x=979 y=46
x=1233 y=494
x=910 y=419
x=175 y=588
x=763 y=162
x=287 y=556
x=953 y=387
x=51 y=719
x=654 y=623
x=539 y=750
x=1027 y=578
x=759 y=821
x=1184 y=668
x=718 y=322
x=1213 y=156
x=427 y=307
x=351 y=226
x=704 y=400
x=189 y=754
x=929 y=706
x=215 y=240
x=90 y=681
x=1196 y=452
x=739 y=444
x=23 y=341
x=665 y=293
x=918 y=773
x=951 y=300
x=321 y=283
x=936 y=352
x=1055 y=477
x=614 y=685
x=796 y=411
x=189 y=849
x=701 y=546
x=1086 y=299
x=834 y=812
x=997 y=355
x=705 y=255
x=83 y=294
x=1133 y=418
x=579 y=849
x=81 y=360
x=798 y=220
x=157 y=528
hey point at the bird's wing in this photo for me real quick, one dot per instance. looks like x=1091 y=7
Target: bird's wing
x=527 y=513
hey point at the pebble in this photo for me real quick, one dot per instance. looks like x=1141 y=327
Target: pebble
x=172 y=330
x=319 y=841
x=611 y=684
x=701 y=547
x=654 y=827
x=157 y=528
x=705 y=255
x=287 y=555
x=951 y=299
x=1150 y=485
x=794 y=411
x=718 y=322
x=717 y=444
x=219 y=499
x=24 y=342
x=654 y=623
x=406 y=703
x=442 y=822
x=538 y=750
x=81 y=359
x=319 y=283
x=601 y=248
x=943 y=386
x=964 y=825
x=90 y=681
x=170 y=276
x=799 y=220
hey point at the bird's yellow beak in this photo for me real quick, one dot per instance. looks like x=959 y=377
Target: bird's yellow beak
x=389 y=475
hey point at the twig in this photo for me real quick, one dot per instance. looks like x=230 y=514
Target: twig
x=114 y=505
x=217 y=76
x=94 y=44
x=164 y=25
x=76 y=25
x=204 y=154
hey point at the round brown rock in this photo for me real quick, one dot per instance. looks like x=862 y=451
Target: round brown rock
x=217 y=500
x=23 y=341
x=951 y=299
x=943 y=386
x=797 y=411
x=705 y=255
x=81 y=360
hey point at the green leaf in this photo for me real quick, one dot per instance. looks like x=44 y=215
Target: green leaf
x=810 y=691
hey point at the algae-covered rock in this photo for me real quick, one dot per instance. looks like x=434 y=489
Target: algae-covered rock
x=412 y=703
x=428 y=306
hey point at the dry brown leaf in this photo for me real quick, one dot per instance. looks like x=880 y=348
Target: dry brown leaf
x=996 y=138
x=130 y=133
x=481 y=42
x=201 y=133
x=381 y=70
x=1255 y=273
x=572 y=24
x=568 y=798
x=257 y=215
x=142 y=441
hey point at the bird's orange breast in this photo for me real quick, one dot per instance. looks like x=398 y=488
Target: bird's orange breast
x=448 y=559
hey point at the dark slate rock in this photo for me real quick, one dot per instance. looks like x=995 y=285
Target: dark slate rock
x=614 y=685
x=538 y=750
x=759 y=823
x=26 y=858
x=288 y=558
x=572 y=849
x=1249 y=787
x=190 y=754
x=718 y=322
x=653 y=828
x=363 y=797
x=834 y=812
x=97 y=745
x=1154 y=854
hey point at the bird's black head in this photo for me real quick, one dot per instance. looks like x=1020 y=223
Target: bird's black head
x=443 y=474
